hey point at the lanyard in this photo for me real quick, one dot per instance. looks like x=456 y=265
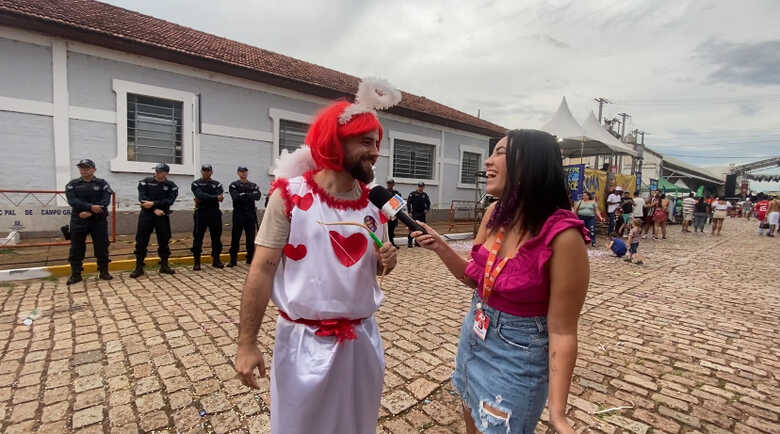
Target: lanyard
x=491 y=274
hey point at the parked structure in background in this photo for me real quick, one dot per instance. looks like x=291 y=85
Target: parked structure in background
x=84 y=79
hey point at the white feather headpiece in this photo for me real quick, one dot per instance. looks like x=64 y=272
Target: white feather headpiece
x=292 y=164
x=373 y=94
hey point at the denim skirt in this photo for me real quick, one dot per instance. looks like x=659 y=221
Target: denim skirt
x=503 y=379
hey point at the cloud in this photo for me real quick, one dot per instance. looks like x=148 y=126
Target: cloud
x=693 y=73
x=747 y=63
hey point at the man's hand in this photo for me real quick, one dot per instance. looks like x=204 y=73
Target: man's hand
x=96 y=209
x=159 y=212
x=147 y=204
x=387 y=257
x=85 y=214
x=220 y=197
x=248 y=358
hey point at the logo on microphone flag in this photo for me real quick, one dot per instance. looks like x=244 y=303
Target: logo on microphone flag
x=391 y=208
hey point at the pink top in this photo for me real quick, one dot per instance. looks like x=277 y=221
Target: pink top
x=523 y=287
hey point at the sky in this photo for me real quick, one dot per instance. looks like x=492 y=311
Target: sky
x=702 y=78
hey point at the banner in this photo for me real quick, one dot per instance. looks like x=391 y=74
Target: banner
x=596 y=184
x=628 y=182
x=653 y=184
x=575 y=179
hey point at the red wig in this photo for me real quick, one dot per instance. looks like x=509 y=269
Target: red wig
x=326 y=135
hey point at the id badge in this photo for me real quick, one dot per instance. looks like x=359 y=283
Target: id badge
x=481 y=323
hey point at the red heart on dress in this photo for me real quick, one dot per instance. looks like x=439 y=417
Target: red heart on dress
x=296 y=253
x=304 y=203
x=348 y=250
x=382 y=218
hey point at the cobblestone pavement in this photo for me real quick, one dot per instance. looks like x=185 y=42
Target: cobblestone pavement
x=689 y=341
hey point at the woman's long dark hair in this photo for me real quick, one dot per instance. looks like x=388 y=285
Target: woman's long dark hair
x=535 y=184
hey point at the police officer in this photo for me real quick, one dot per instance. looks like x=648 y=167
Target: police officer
x=418 y=205
x=156 y=194
x=208 y=194
x=391 y=224
x=244 y=195
x=89 y=198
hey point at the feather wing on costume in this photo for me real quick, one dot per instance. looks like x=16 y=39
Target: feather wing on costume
x=292 y=164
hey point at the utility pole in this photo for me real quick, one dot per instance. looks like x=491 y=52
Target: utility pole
x=623 y=128
x=601 y=102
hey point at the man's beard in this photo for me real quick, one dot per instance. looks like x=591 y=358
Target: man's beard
x=358 y=171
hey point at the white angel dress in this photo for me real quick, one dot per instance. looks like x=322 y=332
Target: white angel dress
x=326 y=378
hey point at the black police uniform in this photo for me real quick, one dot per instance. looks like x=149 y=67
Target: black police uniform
x=392 y=224
x=81 y=195
x=244 y=195
x=207 y=215
x=163 y=194
x=417 y=204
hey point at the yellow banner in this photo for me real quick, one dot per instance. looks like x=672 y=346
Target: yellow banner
x=628 y=182
x=596 y=184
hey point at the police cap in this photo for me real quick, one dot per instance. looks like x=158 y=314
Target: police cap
x=242 y=169
x=162 y=167
x=86 y=163
x=206 y=167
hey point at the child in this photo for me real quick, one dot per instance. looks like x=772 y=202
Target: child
x=633 y=241
x=618 y=247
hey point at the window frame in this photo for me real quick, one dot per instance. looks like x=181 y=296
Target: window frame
x=189 y=139
x=473 y=150
x=395 y=135
x=276 y=116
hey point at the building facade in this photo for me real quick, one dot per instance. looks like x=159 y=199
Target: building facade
x=63 y=99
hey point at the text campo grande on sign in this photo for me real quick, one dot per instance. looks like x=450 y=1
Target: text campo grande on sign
x=12 y=212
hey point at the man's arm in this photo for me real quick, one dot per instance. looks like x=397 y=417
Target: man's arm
x=173 y=193
x=200 y=194
x=254 y=301
x=142 y=197
x=235 y=195
x=105 y=195
x=256 y=194
x=77 y=204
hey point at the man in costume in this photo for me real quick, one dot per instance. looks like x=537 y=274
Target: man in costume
x=315 y=259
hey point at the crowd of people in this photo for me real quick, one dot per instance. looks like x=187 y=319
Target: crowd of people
x=636 y=217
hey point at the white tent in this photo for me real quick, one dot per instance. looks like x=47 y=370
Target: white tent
x=563 y=124
x=593 y=129
x=580 y=141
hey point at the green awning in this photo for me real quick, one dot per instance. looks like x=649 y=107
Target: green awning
x=668 y=187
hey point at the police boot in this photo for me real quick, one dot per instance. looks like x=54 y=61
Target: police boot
x=164 y=268
x=196 y=263
x=233 y=261
x=75 y=277
x=216 y=263
x=139 y=269
x=103 y=273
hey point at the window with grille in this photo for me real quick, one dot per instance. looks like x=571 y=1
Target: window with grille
x=291 y=135
x=154 y=129
x=471 y=162
x=413 y=160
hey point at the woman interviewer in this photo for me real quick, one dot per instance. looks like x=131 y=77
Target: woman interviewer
x=529 y=266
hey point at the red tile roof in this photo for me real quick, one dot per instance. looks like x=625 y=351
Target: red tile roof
x=113 y=27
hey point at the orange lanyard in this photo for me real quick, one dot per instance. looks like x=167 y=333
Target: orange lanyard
x=491 y=274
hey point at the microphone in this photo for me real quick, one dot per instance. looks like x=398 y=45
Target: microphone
x=392 y=207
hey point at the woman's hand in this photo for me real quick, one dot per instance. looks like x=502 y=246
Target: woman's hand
x=561 y=425
x=431 y=241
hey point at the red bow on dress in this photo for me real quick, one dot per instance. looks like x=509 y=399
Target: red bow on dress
x=342 y=328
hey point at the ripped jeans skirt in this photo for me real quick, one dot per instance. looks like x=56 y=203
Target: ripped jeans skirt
x=503 y=379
